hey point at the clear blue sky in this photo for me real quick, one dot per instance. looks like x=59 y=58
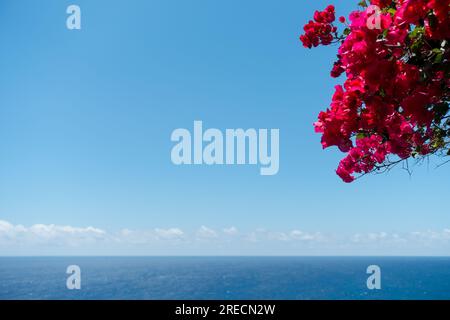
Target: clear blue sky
x=86 y=118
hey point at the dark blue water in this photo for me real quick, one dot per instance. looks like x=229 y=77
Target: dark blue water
x=224 y=278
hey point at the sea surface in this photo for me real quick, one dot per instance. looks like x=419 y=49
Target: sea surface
x=224 y=278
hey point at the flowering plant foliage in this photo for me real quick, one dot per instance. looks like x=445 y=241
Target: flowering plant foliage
x=394 y=102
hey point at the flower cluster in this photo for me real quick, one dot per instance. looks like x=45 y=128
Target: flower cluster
x=320 y=31
x=394 y=101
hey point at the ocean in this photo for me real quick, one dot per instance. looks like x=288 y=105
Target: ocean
x=225 y=278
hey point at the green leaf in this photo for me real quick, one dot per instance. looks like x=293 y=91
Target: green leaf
x=360 y=135
x=392 y=11
x=418 y=31
x=363 y=4
x=439 y=58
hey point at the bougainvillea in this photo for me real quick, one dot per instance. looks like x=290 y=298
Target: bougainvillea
x=394 y=102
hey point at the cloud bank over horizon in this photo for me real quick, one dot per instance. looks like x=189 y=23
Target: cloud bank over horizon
x=51 y=239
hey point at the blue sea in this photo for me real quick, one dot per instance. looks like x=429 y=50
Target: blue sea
x=224 y=278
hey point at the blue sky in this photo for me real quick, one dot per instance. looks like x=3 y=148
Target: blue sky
x=86 y=118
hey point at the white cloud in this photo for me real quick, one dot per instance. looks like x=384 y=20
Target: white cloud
x=416 y=238
x=172 y=233
x=15 y=239
x=149 y=236
x=231 y=231
x=292 y=236
x=278 y=236
x=429 y=235
x=305 y=236
x=206 y=233
x=53 y=234
x=51 y=231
